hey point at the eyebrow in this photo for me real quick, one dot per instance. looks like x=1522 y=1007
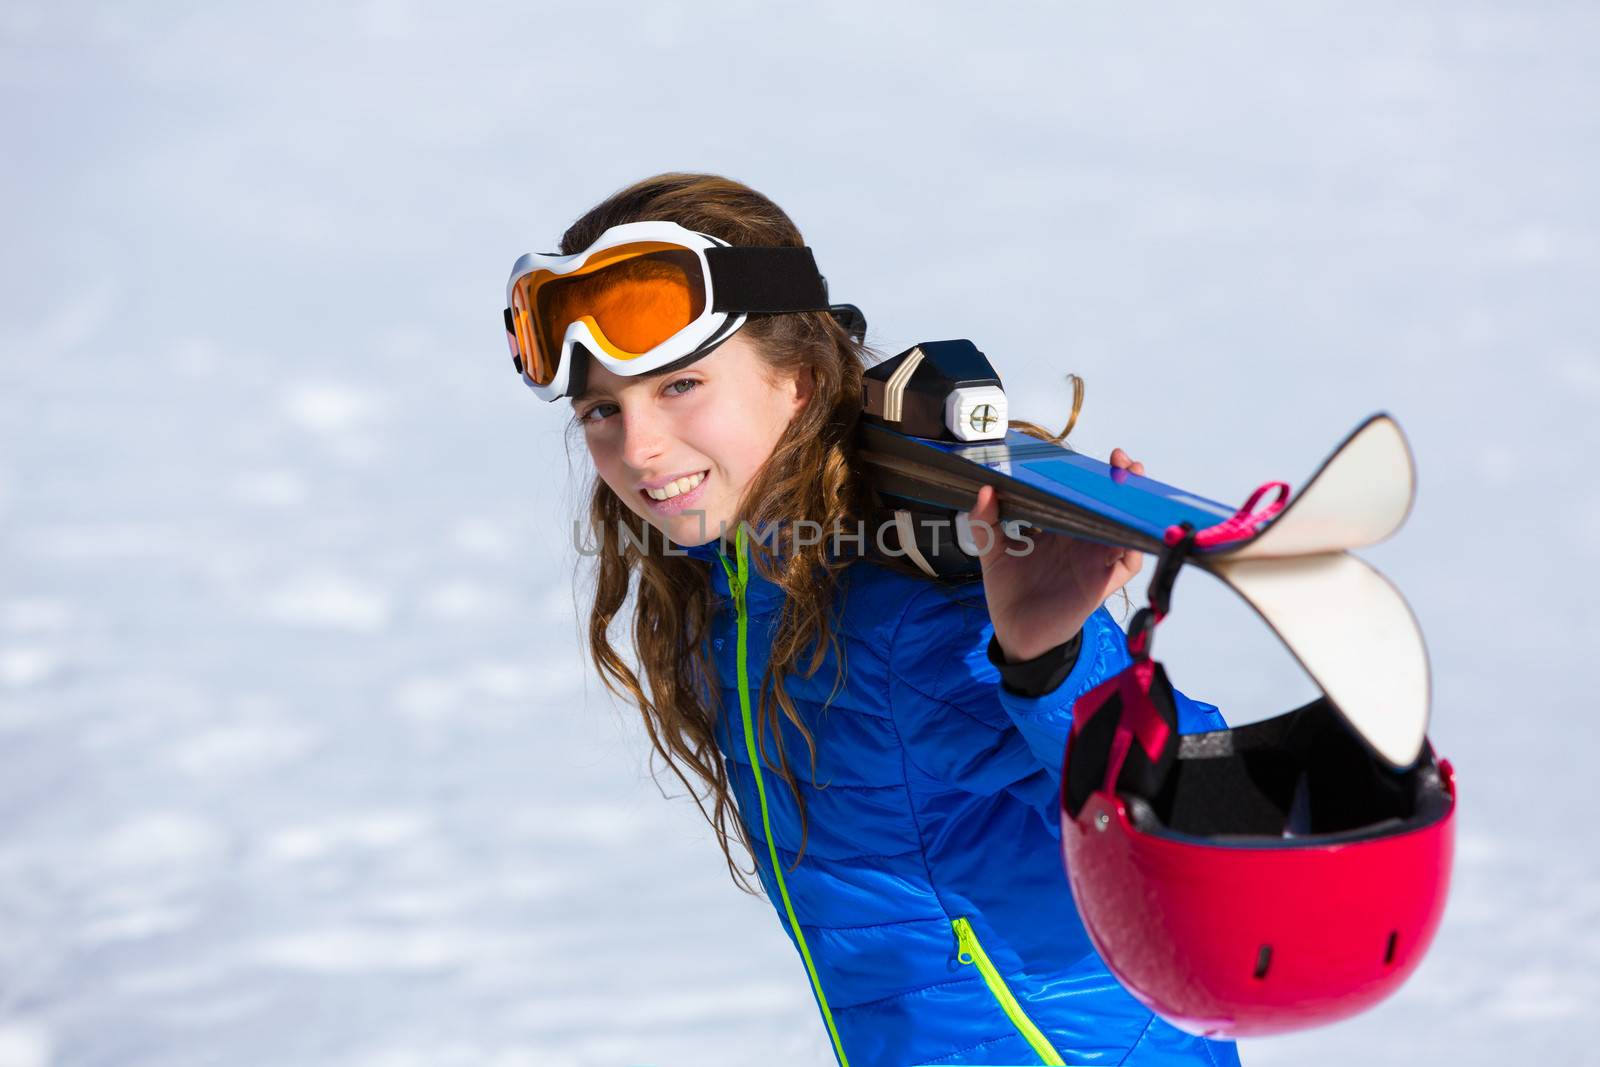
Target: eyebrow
x=589 y=394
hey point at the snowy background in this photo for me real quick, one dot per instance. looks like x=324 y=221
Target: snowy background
x=299 y=761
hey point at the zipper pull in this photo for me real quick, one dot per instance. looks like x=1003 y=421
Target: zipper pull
x=734 y=586
x=966 y=941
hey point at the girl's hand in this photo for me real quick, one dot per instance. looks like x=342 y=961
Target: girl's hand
x=1041 y=599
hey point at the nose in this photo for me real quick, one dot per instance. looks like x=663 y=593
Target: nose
x=644 y=436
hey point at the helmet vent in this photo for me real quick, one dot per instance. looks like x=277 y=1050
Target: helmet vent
x=1388 y=953
x=1263 y=961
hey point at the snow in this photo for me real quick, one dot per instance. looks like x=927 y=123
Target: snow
x=303 y=763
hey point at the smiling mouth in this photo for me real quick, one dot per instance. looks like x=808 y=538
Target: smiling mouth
x=674 y=489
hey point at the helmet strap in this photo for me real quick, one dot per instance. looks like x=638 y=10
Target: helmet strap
x=1141 y=631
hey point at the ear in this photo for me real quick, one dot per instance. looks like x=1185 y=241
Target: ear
x=804 y=385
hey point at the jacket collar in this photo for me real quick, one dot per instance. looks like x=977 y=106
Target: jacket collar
x=708 y=551
x=722 y=556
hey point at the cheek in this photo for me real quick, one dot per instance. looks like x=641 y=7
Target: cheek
x=774 y=417
x=601 y=456
x=746 y=437
x=742 y=441
x=608 y=464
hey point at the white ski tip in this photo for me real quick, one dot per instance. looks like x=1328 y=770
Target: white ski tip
x=1360 y=495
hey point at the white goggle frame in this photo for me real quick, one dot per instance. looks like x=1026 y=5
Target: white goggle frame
x=707 y=329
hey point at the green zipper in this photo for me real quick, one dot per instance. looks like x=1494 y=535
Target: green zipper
x=738 y=584
x=972 y=952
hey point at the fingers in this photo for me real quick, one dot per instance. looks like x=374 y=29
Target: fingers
x=985 y=521
x=987 y=508
x=1122 y=572
x=1129 y=559
x=1123 y=461
x=1130 y=565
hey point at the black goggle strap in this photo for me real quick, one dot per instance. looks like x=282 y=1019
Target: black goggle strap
x=773 y=281
x=765 y=280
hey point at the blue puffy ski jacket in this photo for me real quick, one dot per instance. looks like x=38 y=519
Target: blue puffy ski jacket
x=931 y=909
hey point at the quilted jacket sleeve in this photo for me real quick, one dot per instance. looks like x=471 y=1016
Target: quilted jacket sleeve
x=959 y=724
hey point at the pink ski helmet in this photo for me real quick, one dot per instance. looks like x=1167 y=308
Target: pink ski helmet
x=1250 y=881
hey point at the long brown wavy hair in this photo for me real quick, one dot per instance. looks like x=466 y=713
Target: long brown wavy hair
x=811 y=474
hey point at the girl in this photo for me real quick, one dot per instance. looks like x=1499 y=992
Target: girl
x=885 y=744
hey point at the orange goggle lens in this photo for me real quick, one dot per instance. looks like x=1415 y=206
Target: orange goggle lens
x=633 y=297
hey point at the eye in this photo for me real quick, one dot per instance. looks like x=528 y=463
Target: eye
x=595 y=413
x=690 y=382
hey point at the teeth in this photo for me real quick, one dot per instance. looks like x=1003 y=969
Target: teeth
x=672 y=489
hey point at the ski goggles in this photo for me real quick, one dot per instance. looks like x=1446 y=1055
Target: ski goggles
x=645 y=296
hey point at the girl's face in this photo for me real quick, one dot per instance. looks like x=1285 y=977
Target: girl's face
x=695 y=436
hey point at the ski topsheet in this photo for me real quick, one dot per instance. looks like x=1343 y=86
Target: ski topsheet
x=934 y=432
x=1360 y=495
x=1043 y=484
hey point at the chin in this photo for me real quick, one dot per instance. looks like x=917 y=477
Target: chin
x=687 y=531
x=690 y=533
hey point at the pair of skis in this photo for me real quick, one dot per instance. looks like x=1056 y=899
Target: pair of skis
x=935 y=430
